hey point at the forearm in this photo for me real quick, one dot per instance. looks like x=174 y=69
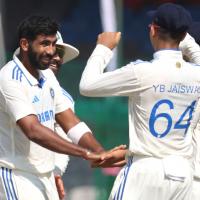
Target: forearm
x=54 y=142
x=88 y=141
x=48 y=139
x=78 y=131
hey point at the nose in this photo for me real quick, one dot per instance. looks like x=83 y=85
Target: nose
x=51 y=49
x=56 y=57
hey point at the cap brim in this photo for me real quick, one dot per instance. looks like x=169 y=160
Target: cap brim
x=70 y=52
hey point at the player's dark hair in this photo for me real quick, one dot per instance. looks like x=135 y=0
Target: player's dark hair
x=166 y=35
x=35 y=25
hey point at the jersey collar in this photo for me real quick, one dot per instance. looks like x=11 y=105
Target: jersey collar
x=31 y=79
x=168 y=53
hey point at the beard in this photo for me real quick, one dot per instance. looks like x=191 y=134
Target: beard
x=35 y=59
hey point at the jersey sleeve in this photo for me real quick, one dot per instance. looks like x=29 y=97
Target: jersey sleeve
x=60 y=101
x=68 y=99
x=94 y=82
x=15 y=99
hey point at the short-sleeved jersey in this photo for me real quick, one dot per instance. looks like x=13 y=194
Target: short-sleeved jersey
x=69 y=99
x=162 y=97
x=22 y=95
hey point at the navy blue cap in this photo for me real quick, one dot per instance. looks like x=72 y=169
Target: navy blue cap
x=172 y=17
x=194 y=31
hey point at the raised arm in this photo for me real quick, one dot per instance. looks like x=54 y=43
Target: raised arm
x=190 y=49
x=94 y=82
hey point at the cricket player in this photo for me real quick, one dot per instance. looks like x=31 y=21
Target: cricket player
x=163 y=94
x=30 y=102
x=191 y=51
x=64 y=53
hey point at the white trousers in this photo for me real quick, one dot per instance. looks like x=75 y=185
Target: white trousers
x=145 y=179
x=196 y=189
x=18 y=185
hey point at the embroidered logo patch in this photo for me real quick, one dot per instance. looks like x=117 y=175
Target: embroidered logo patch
x=52 y=92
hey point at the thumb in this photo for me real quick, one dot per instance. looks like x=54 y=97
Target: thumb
x=118 y=36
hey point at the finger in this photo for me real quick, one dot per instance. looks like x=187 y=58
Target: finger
x=97 y=164
x=60 y=187
x=106 y=156
x=119 y=164
x=120 y=147
x=91 y=156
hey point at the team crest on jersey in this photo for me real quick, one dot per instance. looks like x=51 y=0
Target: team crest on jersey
x=52 y=92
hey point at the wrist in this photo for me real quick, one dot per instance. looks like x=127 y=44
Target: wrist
x=99 y=150
x=86 y=153
x=57 y=176
x=76 y=132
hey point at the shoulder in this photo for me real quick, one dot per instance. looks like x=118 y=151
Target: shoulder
x=9 y=74
x=139 y=62
x=68 y=99
x=9 y=70
x=138 y=65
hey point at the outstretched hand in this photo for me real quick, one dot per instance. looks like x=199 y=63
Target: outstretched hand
x=112 y=158
x=109 y=39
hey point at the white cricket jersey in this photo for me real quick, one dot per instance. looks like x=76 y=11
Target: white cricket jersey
x=162 y=96
x=22 y=95
x=192 y=51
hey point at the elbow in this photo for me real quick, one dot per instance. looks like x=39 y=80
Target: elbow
x=85 y=90
x=31 y=127
x=90 y=88
x=33 y=133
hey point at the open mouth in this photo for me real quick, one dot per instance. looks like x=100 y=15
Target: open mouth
x=53 y=65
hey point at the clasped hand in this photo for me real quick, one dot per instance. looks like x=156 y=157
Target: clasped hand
x=112 y=158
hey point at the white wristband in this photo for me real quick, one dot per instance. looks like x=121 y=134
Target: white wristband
x=76 y=132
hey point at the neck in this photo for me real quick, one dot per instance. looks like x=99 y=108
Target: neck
x=165 y=45
x=25 y=61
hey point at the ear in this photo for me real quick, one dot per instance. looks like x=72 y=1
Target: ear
x=24 y=44
x=153 y=30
